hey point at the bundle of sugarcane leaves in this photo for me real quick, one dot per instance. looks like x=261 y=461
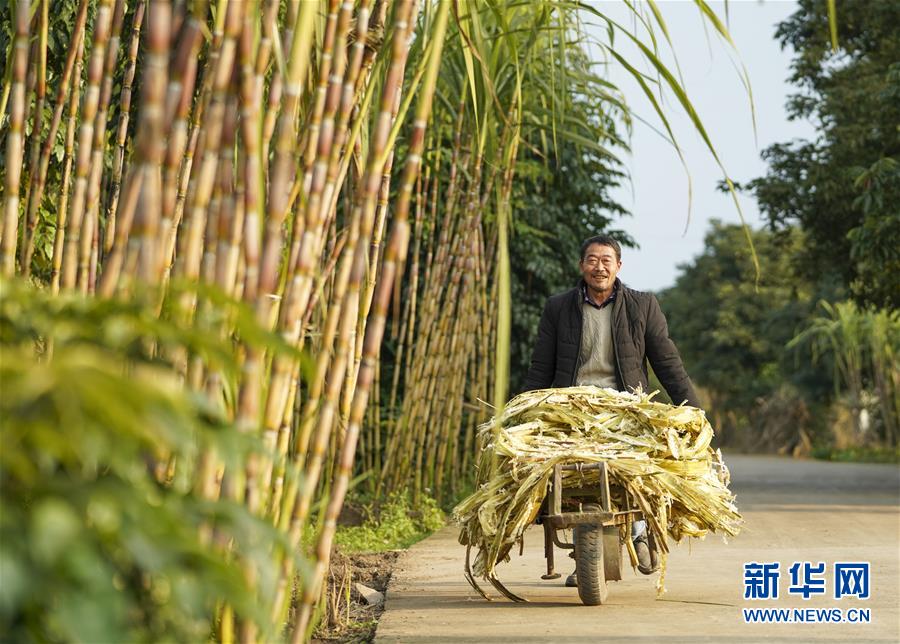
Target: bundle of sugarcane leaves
x=658 y=457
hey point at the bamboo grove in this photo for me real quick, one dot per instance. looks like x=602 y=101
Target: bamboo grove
x=341 y=170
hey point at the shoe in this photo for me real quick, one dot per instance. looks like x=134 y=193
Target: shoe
x=648 y=562
x=572 y=581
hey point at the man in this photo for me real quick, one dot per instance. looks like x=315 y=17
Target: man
x=603 y=333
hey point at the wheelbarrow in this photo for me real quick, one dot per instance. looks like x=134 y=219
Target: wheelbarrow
x=597 y=528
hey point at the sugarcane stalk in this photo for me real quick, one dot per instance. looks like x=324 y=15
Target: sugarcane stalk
x=375 y=330
x=407 y=323
x=122 y=127
x=375 y=245
x=187 y=177
x=30 y=86
x=363 y=213
x=63 y=203
x=250 y=395
x=381 y=208
x=299 y=289
x=221 y=223
x=225 y=277
x=276 y=86
x=179 y=98
x=90 y=225
x=203 y=182
x=504 y=306
x=330 y=360
x=32 y=198
x=317 y=155
x=351 y=109
x=292 y=411
x=222 y=226
x=84 y=156
x=455 y=379
x=354 y=261
x=350 y=376
x=151 y=150
x=336 y=31
x=436 y=320
x=247 y=178
x=40 y=178
x=15 y=143
x=282 y=169
x=399 y=425
x=250 y=181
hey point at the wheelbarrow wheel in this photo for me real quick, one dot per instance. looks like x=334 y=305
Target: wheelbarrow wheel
x=589 y=562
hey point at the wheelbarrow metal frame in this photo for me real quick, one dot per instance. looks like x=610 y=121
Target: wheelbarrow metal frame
x=555 y=519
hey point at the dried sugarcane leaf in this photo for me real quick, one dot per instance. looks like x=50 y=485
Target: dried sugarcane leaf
x=658 y=454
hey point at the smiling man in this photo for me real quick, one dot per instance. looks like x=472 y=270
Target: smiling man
x=603 y=333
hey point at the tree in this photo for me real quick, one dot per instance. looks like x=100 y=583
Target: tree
x=732 y=333
x=843 y=188
x=558 y=204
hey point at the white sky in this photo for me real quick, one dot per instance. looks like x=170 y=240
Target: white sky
x=659 y=197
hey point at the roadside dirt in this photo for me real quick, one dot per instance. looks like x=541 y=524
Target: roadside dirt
x=795 y=511
x=348 y=617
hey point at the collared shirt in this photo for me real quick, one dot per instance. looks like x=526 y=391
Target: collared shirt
x=606 y=302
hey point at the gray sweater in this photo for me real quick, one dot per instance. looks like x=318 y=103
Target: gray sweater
x=596 y=357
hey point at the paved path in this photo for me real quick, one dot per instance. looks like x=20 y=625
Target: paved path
x=794 y=511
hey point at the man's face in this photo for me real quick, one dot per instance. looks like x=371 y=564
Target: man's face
x=599 y=267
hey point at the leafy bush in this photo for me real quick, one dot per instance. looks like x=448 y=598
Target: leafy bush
x=859 y=454
x=98 y=540
x=397 y=525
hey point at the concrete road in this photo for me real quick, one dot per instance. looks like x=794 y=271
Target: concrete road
x=795 y=511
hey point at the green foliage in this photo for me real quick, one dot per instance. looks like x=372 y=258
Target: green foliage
x=832 y=206
x=396 y=525
x=97 y=541
x=558 y=202
x=766 y=357
x=732 y=336
x=864 y=346
x=842 y=189
x=859 y=454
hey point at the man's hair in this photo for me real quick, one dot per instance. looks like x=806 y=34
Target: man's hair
x=603 y=240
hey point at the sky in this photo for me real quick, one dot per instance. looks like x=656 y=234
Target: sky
x=658 y=194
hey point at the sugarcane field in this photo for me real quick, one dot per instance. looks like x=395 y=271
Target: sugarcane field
x=449 y=321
